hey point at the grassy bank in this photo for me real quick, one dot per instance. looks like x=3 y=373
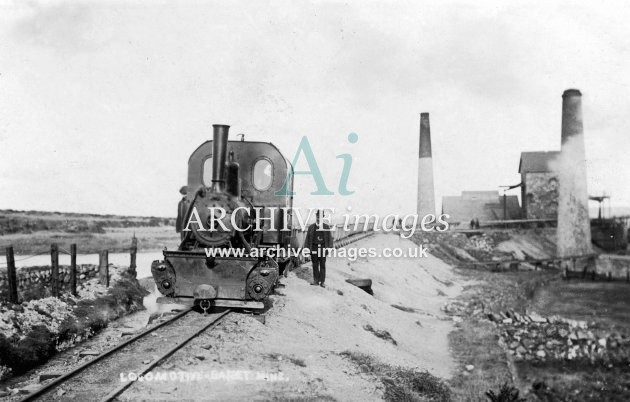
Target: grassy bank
x=113 y=239
x=14 y=222
x=475 y=343
x=402 y=384
x=32 y=232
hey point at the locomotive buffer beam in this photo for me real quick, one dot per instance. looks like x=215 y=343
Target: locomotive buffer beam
x=189 y=301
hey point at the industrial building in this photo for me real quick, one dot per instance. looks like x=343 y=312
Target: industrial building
x=482 y=205
x=539 y=194
x=539 y=185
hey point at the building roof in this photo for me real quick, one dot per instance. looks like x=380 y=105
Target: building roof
x=480 y=195
x=465 y=207
x=536 y=162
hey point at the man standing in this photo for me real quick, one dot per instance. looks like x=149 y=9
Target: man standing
x=318 y=239
x=182 y=208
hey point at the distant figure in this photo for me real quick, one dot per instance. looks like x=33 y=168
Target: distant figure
x=476 y=223
x=317 y=241
x=182 y=208
x=472 y=223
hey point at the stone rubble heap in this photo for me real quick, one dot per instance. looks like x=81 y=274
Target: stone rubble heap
x=482 y=243
x=533 y=337
x=478 y=247
x=19 y=319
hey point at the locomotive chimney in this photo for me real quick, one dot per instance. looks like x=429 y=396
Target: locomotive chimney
x=426 y=196
x=574 y=230
x=219 y=153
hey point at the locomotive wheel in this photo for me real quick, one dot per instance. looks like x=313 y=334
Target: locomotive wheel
x=261 y=280
x=258 y=288
x=164 y=276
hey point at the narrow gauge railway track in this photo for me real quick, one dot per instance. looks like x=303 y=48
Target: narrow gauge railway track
x=44 y=393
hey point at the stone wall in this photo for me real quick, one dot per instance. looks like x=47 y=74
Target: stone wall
x=541 y=196
x=31 y=278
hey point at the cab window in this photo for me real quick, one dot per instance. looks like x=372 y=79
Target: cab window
x=263 y=174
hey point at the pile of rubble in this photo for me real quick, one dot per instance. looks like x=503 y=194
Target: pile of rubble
x=533 y=337
x=21 y=319
x=32 y=331
x=459 y=247
x=480 y=243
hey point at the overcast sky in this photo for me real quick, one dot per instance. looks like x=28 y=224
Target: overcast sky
x=102 y=103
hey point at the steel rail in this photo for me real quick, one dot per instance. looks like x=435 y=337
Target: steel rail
x=40 y=391
x=112 y=395
x=531 y=261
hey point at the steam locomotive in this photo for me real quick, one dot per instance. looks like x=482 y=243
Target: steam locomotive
x=241 y=178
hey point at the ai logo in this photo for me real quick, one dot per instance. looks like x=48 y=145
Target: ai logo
x=305 y=148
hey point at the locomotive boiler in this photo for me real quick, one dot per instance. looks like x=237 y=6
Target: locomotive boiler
x=233 y=189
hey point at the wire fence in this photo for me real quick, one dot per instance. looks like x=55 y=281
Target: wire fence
x=57 y=280
x=4 y=264
x=62 y=250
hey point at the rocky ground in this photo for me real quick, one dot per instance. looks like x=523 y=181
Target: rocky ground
x=545 y=355
x=528 y=331
x=530 y=336
x=490 y=245
x=34 y=331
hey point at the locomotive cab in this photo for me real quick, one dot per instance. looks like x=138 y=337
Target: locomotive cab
x=232 y=185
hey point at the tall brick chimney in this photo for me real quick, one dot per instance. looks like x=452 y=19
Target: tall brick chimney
x=426 y=193
x=574 y=228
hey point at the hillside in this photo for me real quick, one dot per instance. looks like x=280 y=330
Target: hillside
x=12 y=222
x=32 y=232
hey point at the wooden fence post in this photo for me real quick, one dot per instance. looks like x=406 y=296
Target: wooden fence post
x=134 y=251
x=12 y=276
x=103 y=268
x=54 y=269
x=73 y=269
